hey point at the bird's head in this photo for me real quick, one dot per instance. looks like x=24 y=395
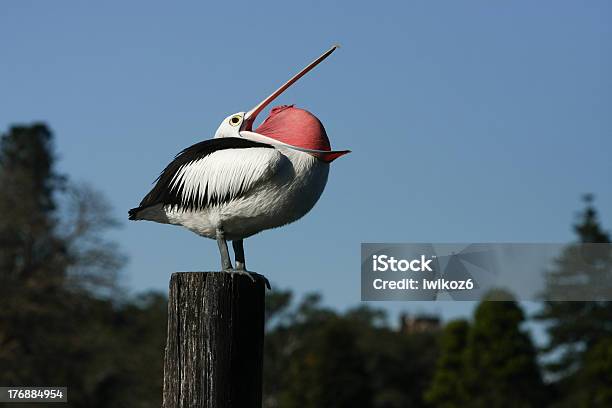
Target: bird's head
x=286 y=126
x=231 y=126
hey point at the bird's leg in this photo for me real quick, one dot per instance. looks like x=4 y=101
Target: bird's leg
x=226 y=263
x=239 y=254
x=238 y=245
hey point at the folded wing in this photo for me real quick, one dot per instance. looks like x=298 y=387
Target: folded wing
x=212 y=172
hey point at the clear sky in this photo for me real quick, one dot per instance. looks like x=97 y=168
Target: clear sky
x=469 y=121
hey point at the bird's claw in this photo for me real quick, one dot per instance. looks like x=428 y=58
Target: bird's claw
x=254 y=276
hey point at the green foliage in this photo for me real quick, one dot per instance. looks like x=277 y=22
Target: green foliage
x=327 y=369
x=594 y=380
x=588 y=228
x=318 y=358
x=30 y=248
x=57 y=324
x=500 y=358
x=448 y=387
x=490 y=363
x=580 y=332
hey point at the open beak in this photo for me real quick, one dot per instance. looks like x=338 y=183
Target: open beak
x=250 y=116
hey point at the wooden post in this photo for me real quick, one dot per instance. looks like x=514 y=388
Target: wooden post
x=214 y=349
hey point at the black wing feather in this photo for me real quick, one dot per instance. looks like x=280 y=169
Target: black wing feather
x=164 y=193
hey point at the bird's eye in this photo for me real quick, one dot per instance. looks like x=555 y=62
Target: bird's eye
x=235 y=120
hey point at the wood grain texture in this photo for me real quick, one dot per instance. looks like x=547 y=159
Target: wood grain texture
x=214 y=348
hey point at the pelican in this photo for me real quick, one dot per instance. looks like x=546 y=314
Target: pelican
x=244 y=181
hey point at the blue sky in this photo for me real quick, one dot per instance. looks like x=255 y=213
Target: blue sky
x=469 y=121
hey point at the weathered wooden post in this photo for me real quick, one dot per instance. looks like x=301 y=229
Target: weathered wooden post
x=214 y=349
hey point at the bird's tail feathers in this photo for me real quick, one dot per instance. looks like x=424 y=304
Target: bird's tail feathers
x=133 y=213
x=150 y=213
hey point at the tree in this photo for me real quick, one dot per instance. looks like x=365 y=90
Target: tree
x=311 y=357
x=574 y=327
x=501 y=367
x=448 y=388
x=399 y=364
x=58 y=324
x=579 y=333
x=315 y=357
x=33 y=260
x=30 y=248
x=328 y=370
